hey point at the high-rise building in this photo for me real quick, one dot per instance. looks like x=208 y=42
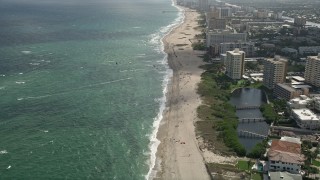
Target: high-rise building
x=274 y=71
x=235 y=64
x=312 y=71
x=215 y=23
x=203 y=5
x=225 y=12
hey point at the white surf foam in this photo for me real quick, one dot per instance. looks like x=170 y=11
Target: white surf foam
x=26 y=52
x=157 y=38
x=4 y=152
x=20 y=82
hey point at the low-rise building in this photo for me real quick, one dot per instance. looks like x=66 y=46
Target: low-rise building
x=288 y=91
x=285 y=156
x=289 y=52
x=298 y=103
x=309 y=50
x=305 y=118
x=257 y=77
x=316 y=101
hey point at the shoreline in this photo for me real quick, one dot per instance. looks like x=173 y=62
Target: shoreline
x=178 y=155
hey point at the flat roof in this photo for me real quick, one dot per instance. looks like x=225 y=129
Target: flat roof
x=298 y=78
x=286 y=87
x=305 y=114
x=291 y=139
x=299 y=86
x=284 y=175
x=256 y=74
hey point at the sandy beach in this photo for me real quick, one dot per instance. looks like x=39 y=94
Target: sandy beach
x=178 y=155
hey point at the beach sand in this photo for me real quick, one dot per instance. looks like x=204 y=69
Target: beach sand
x=178 y=155
x=182 y=154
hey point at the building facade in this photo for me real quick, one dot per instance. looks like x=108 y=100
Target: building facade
x=285 y=156
x=203 y=5
x=287 y=92
x=217 y=37
x=274 y=72
x=215 y=23
x=312 y=70
x=235 y=64
x=306 y=119
x=247 y=47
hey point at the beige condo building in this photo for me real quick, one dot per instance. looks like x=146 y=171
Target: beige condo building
x=235 y=64
x=312 y=70
x=274 y=71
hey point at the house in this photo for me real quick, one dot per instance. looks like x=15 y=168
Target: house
x=285 y=156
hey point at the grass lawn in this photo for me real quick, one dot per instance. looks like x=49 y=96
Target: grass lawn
x=244 y=165
x=256 y=176
x=316 y=163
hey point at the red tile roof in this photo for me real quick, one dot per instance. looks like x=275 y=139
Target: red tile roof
x=285 y=151
x=284 y=146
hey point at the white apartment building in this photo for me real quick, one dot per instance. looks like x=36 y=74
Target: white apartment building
x=235 y=64
x=305 y=118
x=274 y=72
x=217 y=37
x=312 y=70
x=247 y=47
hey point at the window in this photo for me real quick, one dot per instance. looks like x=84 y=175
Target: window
x=272 y=162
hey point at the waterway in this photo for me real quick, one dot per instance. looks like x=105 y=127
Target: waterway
x=250 y=97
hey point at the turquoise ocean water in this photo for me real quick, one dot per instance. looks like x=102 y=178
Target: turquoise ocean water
x=82 y=87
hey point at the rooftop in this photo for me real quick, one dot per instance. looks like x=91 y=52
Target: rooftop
x=274 y=155
x=284 y=175
x=286 y=151
x=286 y=87
x=300 y=86
x=298 y=78
x=236 y=52
x=305 y=114
x=291 y=139
x=286 y=146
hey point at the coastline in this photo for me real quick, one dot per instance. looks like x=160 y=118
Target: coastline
x=178 y=155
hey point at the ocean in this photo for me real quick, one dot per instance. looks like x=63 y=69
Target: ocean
x=82 y=87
